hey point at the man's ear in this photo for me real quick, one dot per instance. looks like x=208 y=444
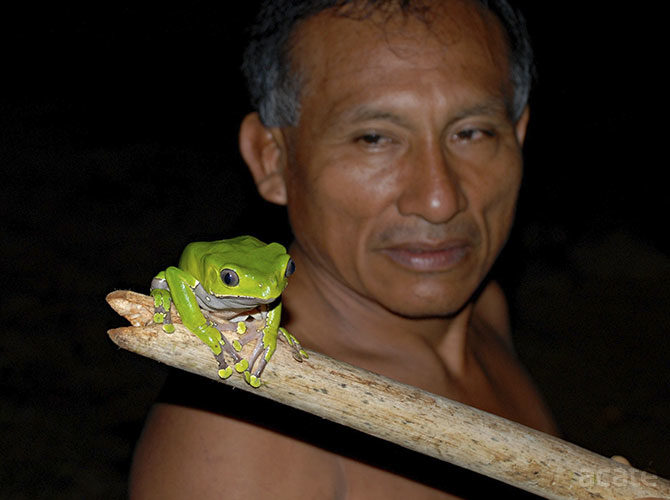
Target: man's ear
x=522 y=125
x=264 y=151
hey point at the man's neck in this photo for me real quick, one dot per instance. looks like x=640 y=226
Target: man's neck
x=330 y=317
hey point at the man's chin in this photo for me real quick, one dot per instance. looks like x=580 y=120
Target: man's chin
x=426 y=309
x=427 y=295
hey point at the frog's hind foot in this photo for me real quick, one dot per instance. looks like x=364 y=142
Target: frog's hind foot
x=298 y=352
x=225 y=370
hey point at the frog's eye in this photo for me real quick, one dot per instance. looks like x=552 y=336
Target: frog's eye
x=290 y=268
x=230 y=277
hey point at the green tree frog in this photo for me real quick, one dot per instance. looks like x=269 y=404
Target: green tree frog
x=239 y=277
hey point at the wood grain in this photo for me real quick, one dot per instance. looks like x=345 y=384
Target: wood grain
x=423 y=422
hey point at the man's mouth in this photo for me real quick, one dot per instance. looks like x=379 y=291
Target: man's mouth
x=424 y=257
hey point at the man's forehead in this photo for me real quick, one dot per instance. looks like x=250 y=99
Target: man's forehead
x=334 y=50
x=332 y=38
x=448 y=22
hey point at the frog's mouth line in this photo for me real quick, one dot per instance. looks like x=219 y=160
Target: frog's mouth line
x=214 y=302
x=236 y=302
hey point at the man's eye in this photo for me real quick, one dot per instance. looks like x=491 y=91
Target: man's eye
x=472 y=134
x=373 y=140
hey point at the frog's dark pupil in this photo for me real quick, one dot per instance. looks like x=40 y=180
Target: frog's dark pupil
x=290 y=268
x=229 y=277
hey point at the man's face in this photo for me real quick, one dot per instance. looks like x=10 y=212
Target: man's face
x=404 y=168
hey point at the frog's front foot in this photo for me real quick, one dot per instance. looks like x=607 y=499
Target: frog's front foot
x=162 y=302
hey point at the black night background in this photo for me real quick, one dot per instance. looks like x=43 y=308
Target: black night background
x=118 y=145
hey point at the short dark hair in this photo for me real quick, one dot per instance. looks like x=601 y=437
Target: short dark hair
x=274 y=86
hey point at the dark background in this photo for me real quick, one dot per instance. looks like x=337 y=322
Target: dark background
x=118 y=128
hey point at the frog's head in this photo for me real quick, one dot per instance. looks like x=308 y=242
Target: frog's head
x=246 y=269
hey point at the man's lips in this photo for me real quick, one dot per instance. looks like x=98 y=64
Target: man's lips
x=427 y=257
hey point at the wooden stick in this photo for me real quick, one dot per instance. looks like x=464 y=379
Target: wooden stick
x=405 y=415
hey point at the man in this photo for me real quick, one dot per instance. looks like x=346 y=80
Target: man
x=393 y=135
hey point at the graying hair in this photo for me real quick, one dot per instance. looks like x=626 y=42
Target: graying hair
x=274 y=85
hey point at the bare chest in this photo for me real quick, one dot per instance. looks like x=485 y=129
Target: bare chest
x=357 y=466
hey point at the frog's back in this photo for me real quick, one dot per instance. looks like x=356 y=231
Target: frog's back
x=245 y=250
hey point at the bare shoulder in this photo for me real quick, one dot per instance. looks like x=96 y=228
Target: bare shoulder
x=492 y=310
x=187 y=452
x=518 y=397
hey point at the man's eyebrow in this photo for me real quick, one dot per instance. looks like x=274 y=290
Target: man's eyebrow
x=490 y=107
x=366 y=113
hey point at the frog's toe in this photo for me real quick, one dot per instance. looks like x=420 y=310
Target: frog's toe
x=254 y=381
x=230 y=349
x=242 y=366
x=225 y=370
x=298 y=352
x=162 y=316
x=168 y=327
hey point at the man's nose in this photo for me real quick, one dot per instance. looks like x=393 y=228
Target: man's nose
x=432 y=186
